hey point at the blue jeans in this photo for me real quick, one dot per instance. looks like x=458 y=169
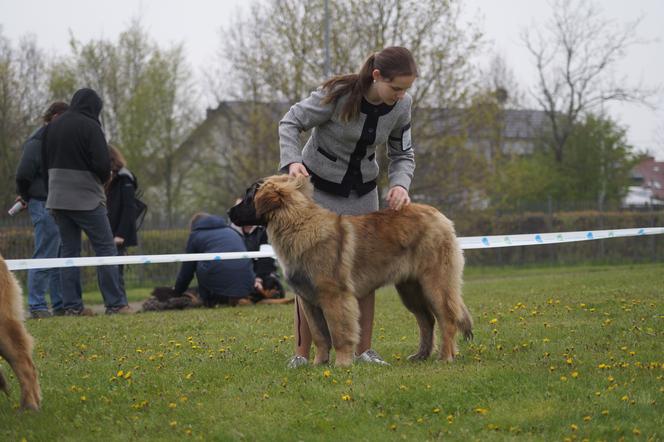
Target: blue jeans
x=47 y=245
x=96 y=226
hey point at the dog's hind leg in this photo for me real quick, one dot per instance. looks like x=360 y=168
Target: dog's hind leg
x=319 y=331
x=16 y=348
x=342 y=314
x=412 y=297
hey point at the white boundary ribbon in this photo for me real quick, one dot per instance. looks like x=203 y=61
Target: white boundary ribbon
x=469 y=242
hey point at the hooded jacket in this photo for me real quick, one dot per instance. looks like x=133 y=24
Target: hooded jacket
x=234 y=277
x=75 y=156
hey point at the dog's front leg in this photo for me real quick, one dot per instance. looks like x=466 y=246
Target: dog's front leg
x=16 y=348
x=343 y=319
x=319 y=331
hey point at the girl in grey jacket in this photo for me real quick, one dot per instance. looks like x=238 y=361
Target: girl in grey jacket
x=349 y=116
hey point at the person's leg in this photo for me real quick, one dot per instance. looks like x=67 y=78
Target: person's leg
x=98 y=229
x=38 y=278
x=52 y=246
x=70 y=277
x=121 y=251
x=302 y=332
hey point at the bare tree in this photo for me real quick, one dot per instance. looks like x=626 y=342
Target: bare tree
x=276 y=54
x=23 y=98
x=575 y=56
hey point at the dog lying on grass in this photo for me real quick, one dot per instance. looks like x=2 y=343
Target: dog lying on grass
x=331 y=260
x=15 y=342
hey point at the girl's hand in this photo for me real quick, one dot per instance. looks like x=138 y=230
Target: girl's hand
x=397 y=198
x=296 y=169
x=118 y=240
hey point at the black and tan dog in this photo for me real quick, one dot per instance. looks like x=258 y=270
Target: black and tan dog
x=331 y=260
x=15 y=342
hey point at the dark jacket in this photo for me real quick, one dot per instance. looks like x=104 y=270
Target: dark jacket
x=29 y=176
x=121 y=205
x=75 y=156
x=233 y=278
x=253 y=240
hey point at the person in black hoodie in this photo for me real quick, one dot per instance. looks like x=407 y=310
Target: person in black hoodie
x=121 y=204
x=76 y=161
x=31 y=190
x=219 y=281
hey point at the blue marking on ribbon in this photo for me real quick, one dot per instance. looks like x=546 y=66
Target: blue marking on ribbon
x=69 y=262
x=641 y=232
x=146 y=261
x=538 y=238
x=589 y=235
x=559 y=237
x=217 y=258
x=485 y=241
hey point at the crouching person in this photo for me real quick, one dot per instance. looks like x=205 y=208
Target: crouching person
x=219 y=281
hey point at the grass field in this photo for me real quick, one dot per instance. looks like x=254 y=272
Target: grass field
x=559 y=353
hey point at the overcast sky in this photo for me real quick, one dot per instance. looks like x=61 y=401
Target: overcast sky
x=196 y=23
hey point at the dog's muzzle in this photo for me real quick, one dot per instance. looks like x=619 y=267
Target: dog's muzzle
x=244 y=213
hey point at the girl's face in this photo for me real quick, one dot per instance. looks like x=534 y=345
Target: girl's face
x=391 y=91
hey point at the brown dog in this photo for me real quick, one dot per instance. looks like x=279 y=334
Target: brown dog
x=331 y=260
x=15 y=342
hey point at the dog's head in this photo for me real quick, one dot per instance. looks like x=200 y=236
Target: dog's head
x=265 y=197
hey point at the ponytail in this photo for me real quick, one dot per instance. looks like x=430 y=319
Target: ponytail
x=391 y=62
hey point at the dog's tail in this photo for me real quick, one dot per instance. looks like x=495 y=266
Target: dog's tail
x=454 y=300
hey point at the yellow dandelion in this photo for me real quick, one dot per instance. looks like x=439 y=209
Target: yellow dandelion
x=403 y=387
x=173 y=424
x=569 y=361
x=346 y=397
x=587 y=418
x=435 y=410
x=573 y=427
x=624 y=398
x=184 y=398
x=120 y=373
x=127 y=375
x=393 y=427
x=605 y=412
x=349 y=382
x=481 y=411
x=188 y=431
x=636 y=432
x=450 y=418
x=83 y=398
x=420 y=420
x=189 y=375
x=563 y=378
x=493 y=321
x=575 y=374
x=266 y=396
x=327 y=373
x=172 y=405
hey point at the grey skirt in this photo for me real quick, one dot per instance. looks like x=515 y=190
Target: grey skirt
x=353 y=205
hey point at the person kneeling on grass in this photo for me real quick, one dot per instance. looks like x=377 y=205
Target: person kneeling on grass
x=219 y=281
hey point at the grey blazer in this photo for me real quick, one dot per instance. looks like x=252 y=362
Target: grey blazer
x=340 y=155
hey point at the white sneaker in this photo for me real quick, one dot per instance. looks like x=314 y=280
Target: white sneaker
x=371 y=357
x=297 y=361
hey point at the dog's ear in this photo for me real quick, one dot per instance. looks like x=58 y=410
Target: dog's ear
x=267 y=199
x=303 y=184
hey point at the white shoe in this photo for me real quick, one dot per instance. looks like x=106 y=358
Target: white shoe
x=371 y=357
x=297 y=361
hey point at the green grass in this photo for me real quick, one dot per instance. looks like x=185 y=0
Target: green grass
x=568 y=352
